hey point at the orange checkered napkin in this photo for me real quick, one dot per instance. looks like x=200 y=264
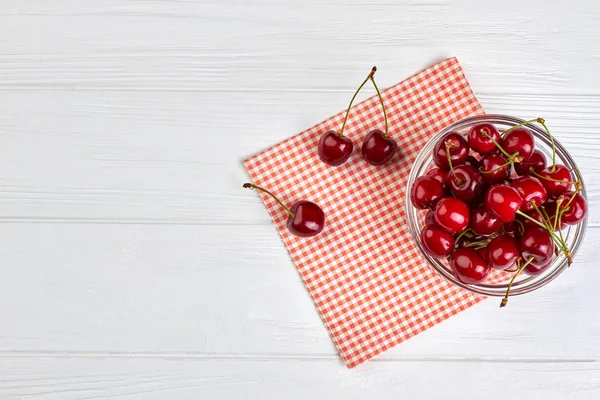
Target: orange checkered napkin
x=364 y=273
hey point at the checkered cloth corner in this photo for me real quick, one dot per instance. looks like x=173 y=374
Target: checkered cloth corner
x=370 y=284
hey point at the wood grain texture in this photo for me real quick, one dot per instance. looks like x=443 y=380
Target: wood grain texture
x=132 y=264
x=521 y=47
x=98 y=378
x=211 y=290
x=176 y=157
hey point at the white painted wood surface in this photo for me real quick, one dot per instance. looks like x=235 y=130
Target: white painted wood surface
x=132 y=264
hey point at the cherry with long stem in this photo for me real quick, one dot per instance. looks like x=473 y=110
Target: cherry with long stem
x=378 y=148
x=305 y=218
x=519 y=270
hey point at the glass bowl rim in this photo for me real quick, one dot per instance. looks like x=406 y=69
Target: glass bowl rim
x=490 y=289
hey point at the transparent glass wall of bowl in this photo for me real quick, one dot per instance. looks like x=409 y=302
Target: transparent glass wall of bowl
x=524 y=284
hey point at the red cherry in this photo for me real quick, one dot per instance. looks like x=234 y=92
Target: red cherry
x=377 y=149
x=576 y=210
x=436 y=241
x=502 y=252
x=495 y=163
x=459 y=150
x=334 y=149
x=480 y=137
x=472 y=161
x=439 y=175
x=425 y=192
x=452 y=214
x=465 y=183
x=308 y=219
x=532 y=191
x=519 y=139
x=305 y=218
x=536 y=242
x=558 y=173
x=468 y=266
x=531 y=269
x=537 y=161
x=504 y=201
x=484 y=222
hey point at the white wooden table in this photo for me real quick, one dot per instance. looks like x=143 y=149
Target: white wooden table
x=133 y=265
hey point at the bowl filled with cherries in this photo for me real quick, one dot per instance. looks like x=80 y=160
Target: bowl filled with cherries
x=496 y=205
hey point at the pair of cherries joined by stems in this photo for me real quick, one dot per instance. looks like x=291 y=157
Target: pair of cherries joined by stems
x=494 y=204
x=377 y=148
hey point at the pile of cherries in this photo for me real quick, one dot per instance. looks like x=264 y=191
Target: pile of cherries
x=494 y=203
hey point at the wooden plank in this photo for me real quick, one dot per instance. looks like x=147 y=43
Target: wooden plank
x=529 y=47
x=232 y=290
x=176 y=157
x=61 y=378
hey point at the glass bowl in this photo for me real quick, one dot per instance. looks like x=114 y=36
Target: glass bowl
x=497 y=283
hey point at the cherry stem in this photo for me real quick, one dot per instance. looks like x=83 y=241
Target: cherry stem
x=462 y=234
x=479 y=245
x=568 y=202
x=521 y=124
x=353 y=97
x=532 y=171
x=556 y=214
x=521 y=225
x=546 y=227
x=521 y=213
x=496 y=169
x=559 y=240
x=382 y=105
x=505 y=299
x=449 y=144
x=579 y=184
x=543 y=123
x=485 y=135
x=251 y=186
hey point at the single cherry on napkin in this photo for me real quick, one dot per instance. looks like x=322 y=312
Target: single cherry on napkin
x=378 y=148
x=335 y=148
x=305 y=218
